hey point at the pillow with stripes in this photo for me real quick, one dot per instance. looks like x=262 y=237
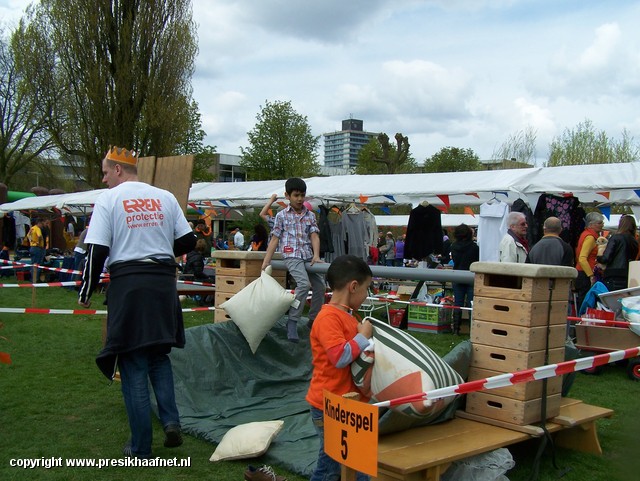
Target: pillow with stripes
x=401 y=365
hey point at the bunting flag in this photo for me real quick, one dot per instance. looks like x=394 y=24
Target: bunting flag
x=281 y=203
x=195 y=207
x=363 y=199
x=567 y=194
x=208 y=203
x=445 y=200
x=473 y=194
x=270 y=212
x=392 y=199
x=637 y=191
x=469 y=210
x=385 y=209
x=442 y=208
x=223 y=202
x=503 y=192
x=605 y=210
x=604 y=194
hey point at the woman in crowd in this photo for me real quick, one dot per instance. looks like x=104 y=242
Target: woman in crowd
x=621 y=249
x=586 y=253
x=259 y=240
x=464 y=251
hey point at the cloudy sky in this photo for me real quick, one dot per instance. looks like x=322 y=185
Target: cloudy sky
x=461 y=73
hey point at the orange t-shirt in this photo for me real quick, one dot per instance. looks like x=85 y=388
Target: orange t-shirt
x=332 y=328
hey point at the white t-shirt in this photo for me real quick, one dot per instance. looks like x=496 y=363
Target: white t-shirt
x=137 y=221
x=238 y=240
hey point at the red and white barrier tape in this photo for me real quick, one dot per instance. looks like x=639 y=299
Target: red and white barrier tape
x=509 y=379
x=606 y=322
x=417 y=303
x=35 y=310
x=20 y=265
x=195 y=283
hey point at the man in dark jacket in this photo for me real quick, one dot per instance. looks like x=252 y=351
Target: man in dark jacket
x=551 y=249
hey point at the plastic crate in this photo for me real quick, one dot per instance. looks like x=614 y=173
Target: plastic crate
x=429 y=319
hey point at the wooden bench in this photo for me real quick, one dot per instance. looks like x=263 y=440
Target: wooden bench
x=425 y=453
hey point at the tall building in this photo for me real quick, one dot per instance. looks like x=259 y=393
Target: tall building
x=341 y=148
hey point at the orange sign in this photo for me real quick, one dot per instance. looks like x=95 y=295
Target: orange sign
x=351 y=433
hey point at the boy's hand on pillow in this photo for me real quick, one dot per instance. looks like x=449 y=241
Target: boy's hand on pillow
x=366 y=329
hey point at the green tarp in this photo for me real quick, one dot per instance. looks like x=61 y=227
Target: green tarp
x=220 y=384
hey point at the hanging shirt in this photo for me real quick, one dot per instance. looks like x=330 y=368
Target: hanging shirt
x=492 y=226
x=424 y=232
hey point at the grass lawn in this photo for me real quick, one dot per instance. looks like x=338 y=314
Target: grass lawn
x=55 y=403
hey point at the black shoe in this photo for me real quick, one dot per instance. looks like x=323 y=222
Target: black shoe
x=172 y=436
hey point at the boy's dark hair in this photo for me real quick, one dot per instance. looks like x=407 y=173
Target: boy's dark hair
x=345 y=269
x=293 y=184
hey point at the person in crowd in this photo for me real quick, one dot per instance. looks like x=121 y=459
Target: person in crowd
x=621 y=249
x=144 y=320
x=4 y=255
x=446 y=248
x=514 y=245
x=265 y=213
x=399 y=249
x=37 y=246
x=203 y=231
x=296 y=234
x=221 y=244
x=259 y=240
x=388 y=249
x=586 y=254
x=238 y=239
x=337 y=339
x=464 y=251
x=194 y=264
x=380 y=243
x=80 y=252
x=551 y=249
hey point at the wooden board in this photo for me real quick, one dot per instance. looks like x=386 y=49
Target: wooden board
x=605 y=338
x=169 y=173
x=517 y=337
x=503 y=360
x=519 y=313
x=220 y=315
x=234 y=284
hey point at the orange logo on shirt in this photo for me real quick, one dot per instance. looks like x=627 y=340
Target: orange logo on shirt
x=141 y=205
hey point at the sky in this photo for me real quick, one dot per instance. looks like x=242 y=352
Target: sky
x=445 y=73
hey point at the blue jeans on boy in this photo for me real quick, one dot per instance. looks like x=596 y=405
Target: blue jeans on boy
x=327 y=469
x=37 y=257
x=137 y=368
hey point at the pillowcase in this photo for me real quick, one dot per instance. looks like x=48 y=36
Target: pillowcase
x=403 y=366
x=248 y=440
x=257 y=307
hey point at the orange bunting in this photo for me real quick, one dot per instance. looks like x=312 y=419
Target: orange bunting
x=270 y=212
x=473 y=194
x=281 y=203
x=363 y=199
x=469 y=210
x=604 y=194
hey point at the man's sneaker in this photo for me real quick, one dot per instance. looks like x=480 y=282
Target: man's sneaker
x=263 y=473
x=172 y=436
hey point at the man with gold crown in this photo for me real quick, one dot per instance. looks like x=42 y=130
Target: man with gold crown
x=141 y=229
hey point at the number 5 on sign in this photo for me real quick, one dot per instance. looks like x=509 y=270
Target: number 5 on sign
x=351 y=433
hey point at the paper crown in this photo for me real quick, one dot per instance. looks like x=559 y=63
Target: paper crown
x=122 y=155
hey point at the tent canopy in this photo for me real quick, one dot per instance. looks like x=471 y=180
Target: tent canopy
x=601 y=184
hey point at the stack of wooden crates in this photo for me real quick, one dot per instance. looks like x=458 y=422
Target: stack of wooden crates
x=236 y=270
x=509 y=333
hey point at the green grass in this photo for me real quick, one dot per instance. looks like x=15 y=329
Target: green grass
x=55 y=403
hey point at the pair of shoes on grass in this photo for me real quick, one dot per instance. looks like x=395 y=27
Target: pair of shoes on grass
x=263 y=473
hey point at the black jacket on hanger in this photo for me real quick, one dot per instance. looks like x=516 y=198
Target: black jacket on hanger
x=424 y=233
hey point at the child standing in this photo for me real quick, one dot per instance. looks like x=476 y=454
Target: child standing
x=296 y=232
x=337 y=339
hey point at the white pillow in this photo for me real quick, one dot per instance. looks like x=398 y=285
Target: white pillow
x=247 y=440
x=257 y=307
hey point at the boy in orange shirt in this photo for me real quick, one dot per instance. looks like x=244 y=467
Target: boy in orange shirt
x=337 y=339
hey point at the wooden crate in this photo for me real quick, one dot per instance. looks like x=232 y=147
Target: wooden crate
x=517 y=337
x=605 y=338
x=238 y=267
x=510 y=360
x=220 y=315
x=522 y=391
x=519 y=313
x=511 y=410
x=222 y=297
x=519 y=288
x=233 y=285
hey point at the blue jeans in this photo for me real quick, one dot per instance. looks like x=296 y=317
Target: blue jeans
x=136 y=369
x=37 y=257
x=462 y=294
x=327 y=469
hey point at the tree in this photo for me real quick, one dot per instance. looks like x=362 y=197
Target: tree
x=281 y=145
x=23 y=133
x=193 y=144
x=114 y=72
x=452 y=159
x=520 y=147
x=379 y=156
x=585 y=145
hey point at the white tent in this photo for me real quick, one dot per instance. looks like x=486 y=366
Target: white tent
x=602 y=184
